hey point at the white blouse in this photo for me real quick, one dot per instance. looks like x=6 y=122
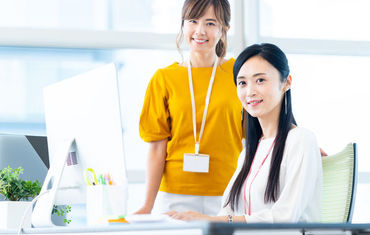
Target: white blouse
x=299 y=195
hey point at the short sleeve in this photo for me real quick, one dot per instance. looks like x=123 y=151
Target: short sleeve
x=155 y=119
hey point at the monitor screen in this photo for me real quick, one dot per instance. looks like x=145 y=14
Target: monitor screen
x=40 y=145
x=85 y=108
x=19 y=151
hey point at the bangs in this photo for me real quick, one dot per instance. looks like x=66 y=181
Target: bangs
x=196 y=9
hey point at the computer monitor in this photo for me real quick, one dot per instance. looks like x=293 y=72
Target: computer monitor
x=82 y=115
x=24 y=151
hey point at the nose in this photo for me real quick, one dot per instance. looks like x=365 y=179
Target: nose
x=250 y=91
x=200 y=30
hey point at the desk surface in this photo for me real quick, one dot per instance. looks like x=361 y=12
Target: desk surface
x=201 y=228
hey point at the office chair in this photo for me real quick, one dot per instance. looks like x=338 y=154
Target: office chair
x=339 y=185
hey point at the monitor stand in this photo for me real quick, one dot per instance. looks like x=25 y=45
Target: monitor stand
x=41 y=215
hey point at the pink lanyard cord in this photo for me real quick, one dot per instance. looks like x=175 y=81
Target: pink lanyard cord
x=250 y=186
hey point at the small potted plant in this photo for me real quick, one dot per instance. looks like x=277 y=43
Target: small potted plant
x=16 y=192
x=61 y=212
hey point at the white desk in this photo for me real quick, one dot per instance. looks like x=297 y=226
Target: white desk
x=129 y=229
x=203 y=228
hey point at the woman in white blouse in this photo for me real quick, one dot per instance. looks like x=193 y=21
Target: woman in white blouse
x=279 y=172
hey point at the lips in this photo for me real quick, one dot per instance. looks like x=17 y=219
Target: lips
x=254 y=102
x=197 y=40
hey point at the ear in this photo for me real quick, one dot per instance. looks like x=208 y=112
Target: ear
x=227 y=28
x=288 y=83
x=221 y=33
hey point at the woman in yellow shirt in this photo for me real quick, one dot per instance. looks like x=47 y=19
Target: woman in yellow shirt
x=192 y=117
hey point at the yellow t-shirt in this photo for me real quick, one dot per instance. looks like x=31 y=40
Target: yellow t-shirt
x=167 y=113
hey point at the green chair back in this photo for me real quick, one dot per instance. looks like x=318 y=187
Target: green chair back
x=339 y=185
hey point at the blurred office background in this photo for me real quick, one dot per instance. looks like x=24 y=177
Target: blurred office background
x=327 y=43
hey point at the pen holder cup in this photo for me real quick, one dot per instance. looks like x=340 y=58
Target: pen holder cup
x=104 y=202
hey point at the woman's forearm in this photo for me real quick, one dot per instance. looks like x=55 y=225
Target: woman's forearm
x=155 y=167
x=235 y=218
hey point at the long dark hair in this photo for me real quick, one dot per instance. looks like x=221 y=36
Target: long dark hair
x=253 y=131
x=194 y=9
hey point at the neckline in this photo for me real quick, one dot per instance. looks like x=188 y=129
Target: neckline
x=211 y=67
x=267 y=139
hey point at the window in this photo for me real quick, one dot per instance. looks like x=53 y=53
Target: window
x=330 y=95
x=25 y=71
x=315 y=19
x=56 y=14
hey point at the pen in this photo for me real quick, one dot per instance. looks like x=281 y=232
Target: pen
x=106 y=179
x=110 y=182
x=101 y=179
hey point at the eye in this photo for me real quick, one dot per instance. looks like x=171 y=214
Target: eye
x=260 y=80
x=211 y=24
x=242 y=83
x=192 y=21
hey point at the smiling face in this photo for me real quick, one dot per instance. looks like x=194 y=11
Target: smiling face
x=260 y=89
x=203 y=34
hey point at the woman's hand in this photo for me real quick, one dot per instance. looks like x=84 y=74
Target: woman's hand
x=323 y=153
x=144 y=210
x=188 y=215
x=193 y=215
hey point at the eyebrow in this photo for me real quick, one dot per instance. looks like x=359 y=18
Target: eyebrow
x=254 y=75
x=211 y=20
x=258 y=74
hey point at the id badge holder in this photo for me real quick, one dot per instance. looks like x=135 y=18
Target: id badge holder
x=196 y=162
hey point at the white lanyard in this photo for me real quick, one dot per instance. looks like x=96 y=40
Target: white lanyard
x=205 y=107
